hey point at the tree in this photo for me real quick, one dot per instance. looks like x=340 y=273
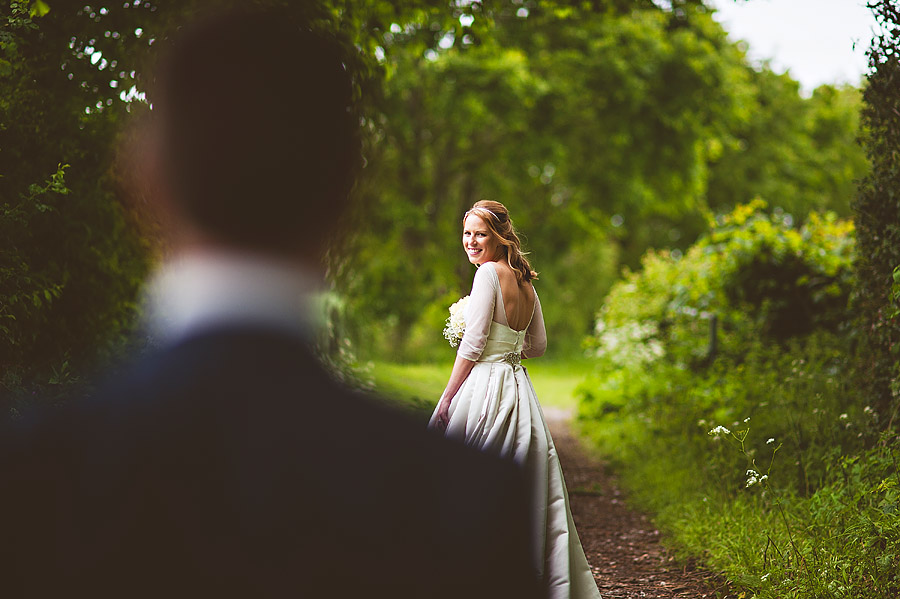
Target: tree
x=607 y=126
x=73 y=77
x=70 y=268
x=795 y=152
x=877 y=214
x=607 y=129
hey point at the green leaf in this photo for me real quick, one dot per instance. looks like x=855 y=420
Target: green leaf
x=38 y=9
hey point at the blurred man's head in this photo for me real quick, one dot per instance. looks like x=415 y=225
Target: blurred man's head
x=258 y=133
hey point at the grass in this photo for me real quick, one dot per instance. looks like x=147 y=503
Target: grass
x=825 y=525
x=555 y=381
x=420 y=385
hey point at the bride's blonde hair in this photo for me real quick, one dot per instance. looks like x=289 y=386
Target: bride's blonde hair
x=497 y=218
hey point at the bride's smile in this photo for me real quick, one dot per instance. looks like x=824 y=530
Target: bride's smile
x=478 y=241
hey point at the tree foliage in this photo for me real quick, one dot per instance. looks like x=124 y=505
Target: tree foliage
x=605 y=129
x=797 y=153
x=70 y=268
x=877 y=213
x=74 y=77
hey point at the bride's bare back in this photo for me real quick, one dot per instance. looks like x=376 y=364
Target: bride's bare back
x=518 y=298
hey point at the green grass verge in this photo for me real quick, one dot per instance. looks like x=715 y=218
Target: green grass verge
x=555 y=381
x=419 y=386
x=416 y=386
x=837 y=538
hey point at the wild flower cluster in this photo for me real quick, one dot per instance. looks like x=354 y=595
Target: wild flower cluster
x=630 y=345
x=456 y=323
x=719 y=430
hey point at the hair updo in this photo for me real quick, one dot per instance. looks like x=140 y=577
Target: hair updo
x=497 y=218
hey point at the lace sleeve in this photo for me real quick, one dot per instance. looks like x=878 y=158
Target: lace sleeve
x=479 y=312
x=536 y=335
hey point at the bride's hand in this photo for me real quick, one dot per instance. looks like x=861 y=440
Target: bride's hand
x=443 y=414
x=461 y=369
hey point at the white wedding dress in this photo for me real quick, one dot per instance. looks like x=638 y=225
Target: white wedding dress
x=496 y=409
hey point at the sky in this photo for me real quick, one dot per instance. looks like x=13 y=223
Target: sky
x=812 y=39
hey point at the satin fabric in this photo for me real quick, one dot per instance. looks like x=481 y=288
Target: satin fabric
x=496 y=410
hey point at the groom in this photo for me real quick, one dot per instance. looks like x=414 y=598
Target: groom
x=228 y=463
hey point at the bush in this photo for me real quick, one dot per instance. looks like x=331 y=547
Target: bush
x=877 y=213
x=69 y=278
x=761 y=456
x=71 y=266
x=753 y=272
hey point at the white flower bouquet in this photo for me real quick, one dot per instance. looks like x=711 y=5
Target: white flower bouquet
x=456 y=322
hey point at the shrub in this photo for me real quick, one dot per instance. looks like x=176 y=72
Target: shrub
x=69 y=276
x=754 y=272
x=877 y=212
x=764 y=458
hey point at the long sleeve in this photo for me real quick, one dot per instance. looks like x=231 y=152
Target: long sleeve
x=479 y=312
x=536 y=335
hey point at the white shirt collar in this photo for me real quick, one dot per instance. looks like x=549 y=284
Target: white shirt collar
x=200 y=291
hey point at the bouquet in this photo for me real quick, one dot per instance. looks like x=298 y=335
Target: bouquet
x=456 y=322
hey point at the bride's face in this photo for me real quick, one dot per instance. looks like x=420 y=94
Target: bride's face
x=478 y=241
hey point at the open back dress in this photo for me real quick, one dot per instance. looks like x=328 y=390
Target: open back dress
x=496 y=410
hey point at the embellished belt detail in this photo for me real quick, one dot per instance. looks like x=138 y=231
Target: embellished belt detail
x=512 y=358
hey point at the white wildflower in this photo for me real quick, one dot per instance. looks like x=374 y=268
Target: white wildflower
x=770 y=441
x=719 y=430
x=752 y=478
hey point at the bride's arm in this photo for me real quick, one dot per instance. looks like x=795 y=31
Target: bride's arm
x=536 y=336
x=479 y=314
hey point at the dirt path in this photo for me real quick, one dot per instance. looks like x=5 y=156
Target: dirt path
x=621 y=545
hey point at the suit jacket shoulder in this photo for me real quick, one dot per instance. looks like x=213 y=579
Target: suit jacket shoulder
x=234 y=464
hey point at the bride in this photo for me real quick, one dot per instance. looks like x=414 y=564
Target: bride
x=489 y=401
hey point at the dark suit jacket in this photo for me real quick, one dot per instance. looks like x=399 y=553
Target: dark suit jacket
x=232 y=465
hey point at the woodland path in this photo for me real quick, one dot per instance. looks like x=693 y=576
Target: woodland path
x=622 y=545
